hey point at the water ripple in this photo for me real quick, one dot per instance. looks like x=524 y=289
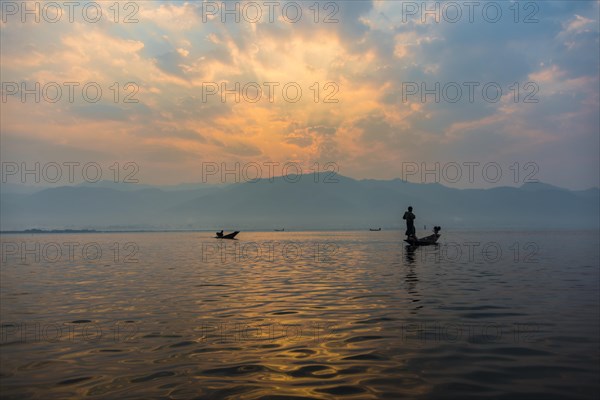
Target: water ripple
x=374 y=321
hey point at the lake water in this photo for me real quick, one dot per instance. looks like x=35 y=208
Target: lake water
x=298 y=315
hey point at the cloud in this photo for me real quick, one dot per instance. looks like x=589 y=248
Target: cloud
x=299 y=139
x=242 y=149
x=101 y=112
x=168 y=132
x=580 y=24
x=170 y=155
x=362 y=61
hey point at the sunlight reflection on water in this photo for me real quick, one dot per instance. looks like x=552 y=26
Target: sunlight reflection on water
x=306 y=314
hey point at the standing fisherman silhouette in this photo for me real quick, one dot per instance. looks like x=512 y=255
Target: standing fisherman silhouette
x=410 y=223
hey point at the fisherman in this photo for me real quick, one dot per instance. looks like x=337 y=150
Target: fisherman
x=410 y=224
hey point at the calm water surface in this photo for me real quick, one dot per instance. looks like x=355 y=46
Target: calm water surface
x=286 y=315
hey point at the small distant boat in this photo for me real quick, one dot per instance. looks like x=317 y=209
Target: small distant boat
x=375 y=230
x=427 y=240
x=280 y=230
x=231 y=235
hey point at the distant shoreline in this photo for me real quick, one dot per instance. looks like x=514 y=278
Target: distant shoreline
x=58 y=231
x=55 y=231
x=26 y=231
x=366 y=230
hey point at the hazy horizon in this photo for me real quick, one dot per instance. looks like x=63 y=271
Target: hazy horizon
x=322 y=201
x=185 y=185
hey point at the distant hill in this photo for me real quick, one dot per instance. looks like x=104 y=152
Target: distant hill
x=265 y=204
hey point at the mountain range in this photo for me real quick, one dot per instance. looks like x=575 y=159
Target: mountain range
x=312 y=202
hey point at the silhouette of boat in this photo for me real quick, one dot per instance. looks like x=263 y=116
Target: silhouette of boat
x=375 y=230
x=231 y=235
x=280 y=230
x=427 y=240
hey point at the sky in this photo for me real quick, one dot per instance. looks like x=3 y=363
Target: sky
x=467 y=94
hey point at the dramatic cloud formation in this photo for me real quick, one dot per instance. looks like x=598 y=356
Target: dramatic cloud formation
x=369 y=85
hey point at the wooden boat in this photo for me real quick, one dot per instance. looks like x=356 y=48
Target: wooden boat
x=231 y=235
x=280 y=230
x=375 y=230
x=427 y=240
